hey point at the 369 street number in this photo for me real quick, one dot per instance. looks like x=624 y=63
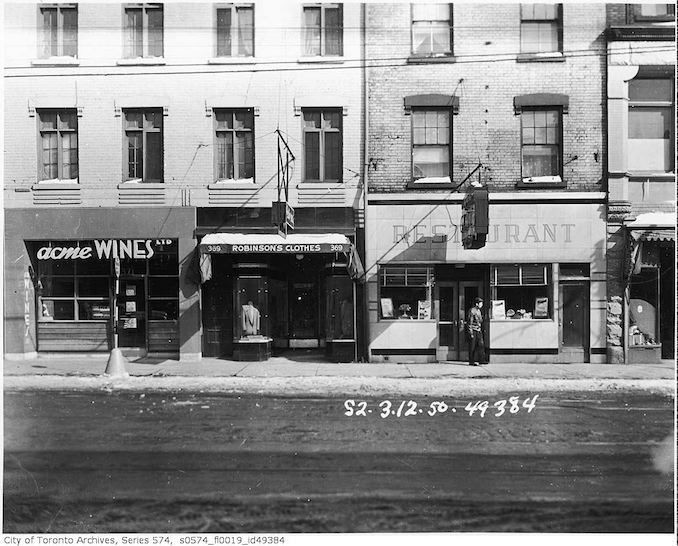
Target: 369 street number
x=410 y=408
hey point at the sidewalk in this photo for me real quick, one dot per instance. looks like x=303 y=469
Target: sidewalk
x=280 y=374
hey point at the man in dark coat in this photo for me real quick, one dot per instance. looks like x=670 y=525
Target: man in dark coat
x=474 y=329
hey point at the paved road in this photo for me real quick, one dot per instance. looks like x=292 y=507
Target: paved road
x=79 y=462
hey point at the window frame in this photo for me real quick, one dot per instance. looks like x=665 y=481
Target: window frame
x=144 y=132
x=323 y=29
x=129 y=46
x=59 y=43
x=667 y=105
x=428 y=286
x=635 y=15
x=234 y=29
x=58 y=112
x=449 y=112
x=217 y=153
x=321 y=144
x=450 y=22
x=557 y=21
x=547 y=282
x=526 y=181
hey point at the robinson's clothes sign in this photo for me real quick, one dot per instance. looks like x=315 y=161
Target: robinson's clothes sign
x=138 y=249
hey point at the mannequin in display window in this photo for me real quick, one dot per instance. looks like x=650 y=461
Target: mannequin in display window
x=250 y=319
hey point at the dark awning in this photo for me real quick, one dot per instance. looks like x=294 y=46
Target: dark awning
x=653 y=234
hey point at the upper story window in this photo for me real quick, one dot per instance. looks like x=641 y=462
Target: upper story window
x=541 y=28
x=143 y=143
x=651 y=125
x=322 y=144
x=234 y=144
x=59 y=144
x=59 y=31
x=143 y=31
x=431 y=145
x=431 y=29
x=235 y=30
x=652 y=12
x=541 y=145
x=323 y=30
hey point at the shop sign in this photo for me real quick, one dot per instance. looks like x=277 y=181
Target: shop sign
x=138 y=249
x=311 y=248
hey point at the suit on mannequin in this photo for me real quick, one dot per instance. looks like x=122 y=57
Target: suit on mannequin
x=250 y=319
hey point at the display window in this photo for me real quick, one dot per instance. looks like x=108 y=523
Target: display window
x=339 y=305
x=405 y=293
x=521 y=291
x=644 y=307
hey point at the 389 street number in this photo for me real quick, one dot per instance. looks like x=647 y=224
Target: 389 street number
x=410 y=408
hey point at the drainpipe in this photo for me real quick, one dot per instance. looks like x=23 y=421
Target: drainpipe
x=365 y=306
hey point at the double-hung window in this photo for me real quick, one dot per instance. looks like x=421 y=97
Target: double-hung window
x=59 y=144
x=521 y=291
x=143 y=142
x=322 y=144
x=431 y=29
x=143 y=31
x=59 y=30
x=541 y=145
x=651 y=125
x=235 y=30
x=431 y=145
x=323 y=30
x=541 y=28
x=234 y=144
x=406 y=293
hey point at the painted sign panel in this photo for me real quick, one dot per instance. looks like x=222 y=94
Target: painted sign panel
x=138 y=249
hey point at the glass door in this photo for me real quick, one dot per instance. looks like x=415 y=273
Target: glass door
x=132 y=313
x=448 y=335
x=303 y=311
x=468 y=292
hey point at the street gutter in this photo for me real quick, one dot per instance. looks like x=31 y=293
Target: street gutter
x=332 y=387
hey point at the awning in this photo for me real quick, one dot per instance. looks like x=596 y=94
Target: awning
x=653 y=226
x=296 y=243
x=648 y=234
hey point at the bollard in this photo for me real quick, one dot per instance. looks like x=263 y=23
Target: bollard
x=116 y=364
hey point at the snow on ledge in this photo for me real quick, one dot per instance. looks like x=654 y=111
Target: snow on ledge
x=654 y=219
x=542 y=180
x=433 y=180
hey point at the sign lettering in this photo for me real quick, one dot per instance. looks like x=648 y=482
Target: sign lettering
x=497 y=233
x=137 y=249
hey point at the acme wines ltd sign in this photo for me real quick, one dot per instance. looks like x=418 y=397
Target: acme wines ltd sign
x=138 y=249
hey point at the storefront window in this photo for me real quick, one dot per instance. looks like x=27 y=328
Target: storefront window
x=405 y=293
x=251 y=315
x=643 y=311
x=339 y=308
x=163 y=282
x=521 y=292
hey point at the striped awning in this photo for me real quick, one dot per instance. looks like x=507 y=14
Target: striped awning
x=653 y=234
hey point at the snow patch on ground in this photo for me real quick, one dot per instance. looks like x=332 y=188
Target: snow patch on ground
x=334 y=386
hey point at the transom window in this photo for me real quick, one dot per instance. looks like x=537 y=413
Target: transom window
x=235 y=30
x=59 y=149
x=59 y=31
x=406 y=293
x=651 y=125
x=431 y=29
x=541 y=145
x=143 y=31
x=431 y=144
x=143 y=136
x=322 y=144
x=234 y=144
x=323 y=30
x=540 y=28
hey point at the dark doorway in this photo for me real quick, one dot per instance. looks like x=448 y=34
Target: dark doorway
x=574 y=335
x=132 y=313
x=303 y=310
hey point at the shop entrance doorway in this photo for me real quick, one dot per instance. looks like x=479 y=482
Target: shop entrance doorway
x=574 y=325
x=303 y=320
x=453 y=300
x=132 y=313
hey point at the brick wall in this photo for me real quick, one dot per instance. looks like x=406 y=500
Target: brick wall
x=616 y=14
x=486 y=80
x=187 y=84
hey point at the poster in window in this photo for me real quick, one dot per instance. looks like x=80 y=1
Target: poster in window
x=541 y=308
x=498 y=311
x=100 y=312
x=130 y=306
x=387 y=308
x=130 y=290
x=129 y=324
x=424 y=310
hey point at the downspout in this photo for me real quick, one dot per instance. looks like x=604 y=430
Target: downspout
x=365 y=291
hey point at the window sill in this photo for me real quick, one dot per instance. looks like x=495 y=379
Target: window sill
x=56 y=61
x=558 y=183
x=232 y=184
x=320 y=183
x=141 y=183
x=142 y=61
x=57 y=183
x=655 y=175
x=550 y=57
x=430 y=183
x=231 y=60
x=433 y=59
x=523 y=320
x=322 y=59
x=410 y=320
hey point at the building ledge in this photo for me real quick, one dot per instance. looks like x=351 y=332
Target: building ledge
x=645 y=33
x=550 y=57
x=56 y=61
x=438 y=59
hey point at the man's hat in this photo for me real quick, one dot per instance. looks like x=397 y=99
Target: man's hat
x=478 y=300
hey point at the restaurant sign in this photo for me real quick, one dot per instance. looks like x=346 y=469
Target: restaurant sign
x=138 y=249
